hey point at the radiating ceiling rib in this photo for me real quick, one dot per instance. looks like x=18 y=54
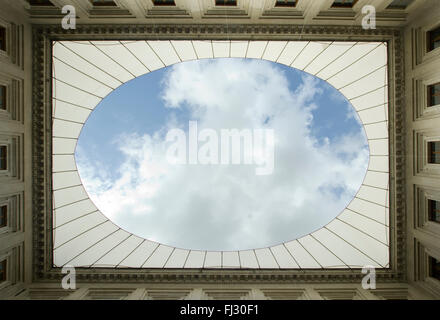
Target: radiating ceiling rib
x=72 y=122
x=159 y=257
x=309 y=254
x=63 y=146
x=374 y=60
x=266 y=259
x=368 y=226
x=377 y=196
x=137 y=257
x=73 y=59
x=308 y=54
x=91 y=53
x=376 y=130
x=94 y=252
x=291 y=51
x=62 y=180
x=195 y=259
x=65 y=111
x=114 y=54
x=283 y=257
x=376 y=179
x=350 y=81
x=256 y=49
x=379 y=164
x=119 y=252
x=248 y=259
x=371 y=247
x=301 y=256
x=360 y=248
x=203 y=49
x=355 y=53
x=371 y=115
x=145 y=54
x=55 y=102
x=79 y=80
x=63 y=207
x=320 y=253
x=344 y=251
x=369 y=210
x=370 y=99
x=70 y=94
x=63 y=162
x=62 y=67
x=365 y=84
x=79 y=215
x=77 y=245
x=333 y=52
x=316 y=55
x=66 y=129
x=67 y=196
x=75 y=228
x=273 y=50
x=177 y=258
x=184 y=49
x=73 y=211
x=144 y=68
x=175 y=51
x=164 y=51
x=117 y=54
x=114 y=244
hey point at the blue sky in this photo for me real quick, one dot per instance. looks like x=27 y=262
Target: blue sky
x=125 y=122
x=137 y=107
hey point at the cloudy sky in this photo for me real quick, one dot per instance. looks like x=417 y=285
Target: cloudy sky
x=320 y=154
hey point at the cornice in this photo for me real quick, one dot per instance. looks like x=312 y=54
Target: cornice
x=43 y=35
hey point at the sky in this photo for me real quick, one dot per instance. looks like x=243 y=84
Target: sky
x=320 y=155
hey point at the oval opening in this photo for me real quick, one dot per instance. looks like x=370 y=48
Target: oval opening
x=154 y=154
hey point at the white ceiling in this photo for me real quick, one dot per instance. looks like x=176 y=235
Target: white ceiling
x=85 y=72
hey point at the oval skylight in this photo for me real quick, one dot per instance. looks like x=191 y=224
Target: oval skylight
x=212 y=198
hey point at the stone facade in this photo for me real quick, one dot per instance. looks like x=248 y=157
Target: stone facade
x=26 y=246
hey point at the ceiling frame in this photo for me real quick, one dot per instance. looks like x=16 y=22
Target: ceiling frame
x=43 y=35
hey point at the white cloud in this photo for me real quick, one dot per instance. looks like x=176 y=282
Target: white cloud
x=229 y=207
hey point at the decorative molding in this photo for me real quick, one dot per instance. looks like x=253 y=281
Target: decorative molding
x=48 y=291
x=420 y=50
x=282 y=13
x=421 y=140
x=14 y=39
x=422 y=195
x=420 y=98
x=14 y=103
x=422 y=253
x=14 y=145
x=43 y=35
x=14 y=270
x=167 y=12
x=14 y=203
